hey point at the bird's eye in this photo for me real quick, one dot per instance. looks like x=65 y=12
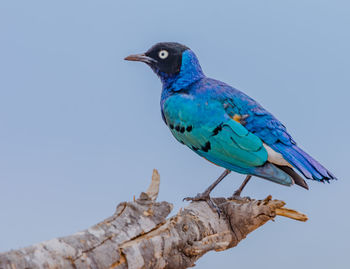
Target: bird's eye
x=163 y=54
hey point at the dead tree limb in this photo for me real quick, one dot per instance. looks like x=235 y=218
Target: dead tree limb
x=139 y=235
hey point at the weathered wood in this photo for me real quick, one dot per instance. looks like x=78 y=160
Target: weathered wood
x=139 y=235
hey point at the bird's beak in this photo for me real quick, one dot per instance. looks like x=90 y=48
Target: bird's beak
x=140 y=58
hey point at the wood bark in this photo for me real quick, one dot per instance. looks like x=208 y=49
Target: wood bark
x=139 y=235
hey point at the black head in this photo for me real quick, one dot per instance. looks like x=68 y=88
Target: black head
x=165 y=57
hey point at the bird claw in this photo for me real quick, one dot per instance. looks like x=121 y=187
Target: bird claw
x=198 y=197
x=237 y=197
x=204 y=197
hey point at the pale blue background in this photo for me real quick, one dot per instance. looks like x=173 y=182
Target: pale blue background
x=80 y=129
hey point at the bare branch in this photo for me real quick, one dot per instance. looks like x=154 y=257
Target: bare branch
x=139 y=235
x=153 y=188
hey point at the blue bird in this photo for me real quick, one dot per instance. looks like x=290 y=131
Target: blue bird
x=224 y=125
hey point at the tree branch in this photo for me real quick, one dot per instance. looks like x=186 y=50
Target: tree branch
x=139 y=235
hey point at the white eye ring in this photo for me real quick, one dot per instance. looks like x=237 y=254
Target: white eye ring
x=163 y=54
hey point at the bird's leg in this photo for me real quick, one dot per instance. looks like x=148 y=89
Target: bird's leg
x=237 y=194
x=205 y=196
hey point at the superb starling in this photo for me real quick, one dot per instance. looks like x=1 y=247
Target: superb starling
x=224 y=125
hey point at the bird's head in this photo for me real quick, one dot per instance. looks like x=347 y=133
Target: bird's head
x=175 y=64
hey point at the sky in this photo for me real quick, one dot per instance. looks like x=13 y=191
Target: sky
x=81 y=130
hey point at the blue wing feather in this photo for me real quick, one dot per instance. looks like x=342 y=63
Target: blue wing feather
x=270 y=130
x=209 y=104
x=216 y=137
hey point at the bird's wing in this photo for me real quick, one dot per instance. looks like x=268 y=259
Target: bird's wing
x=272 y=132
x=206 y=128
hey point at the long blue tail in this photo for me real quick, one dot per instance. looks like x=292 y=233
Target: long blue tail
x=302 y=161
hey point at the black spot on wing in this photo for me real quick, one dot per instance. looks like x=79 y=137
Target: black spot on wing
x=217 y=129
x=180 y=128
x=206 y=147
x=194 y=148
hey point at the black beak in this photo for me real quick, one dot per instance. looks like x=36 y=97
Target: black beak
x=140 y=58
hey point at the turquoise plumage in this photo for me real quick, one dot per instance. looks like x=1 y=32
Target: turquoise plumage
x=222 y=124
x=217 y=137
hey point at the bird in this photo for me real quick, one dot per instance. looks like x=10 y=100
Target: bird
x=224 y=125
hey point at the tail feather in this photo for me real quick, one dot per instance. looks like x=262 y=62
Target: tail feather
x=303 y=162
x=320 y=168
x=296 y=177
x=294 y=159
x=272 y=172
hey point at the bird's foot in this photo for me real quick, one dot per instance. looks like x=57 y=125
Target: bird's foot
x=237 y=196
x=204 y=197
x=199 y=197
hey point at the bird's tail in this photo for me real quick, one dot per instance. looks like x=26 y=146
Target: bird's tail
x=294 y=175
x=273 y=173
x=304 y=163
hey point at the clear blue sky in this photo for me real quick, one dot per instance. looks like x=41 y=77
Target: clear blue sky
x=80 y=129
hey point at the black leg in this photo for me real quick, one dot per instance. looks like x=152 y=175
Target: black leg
x=237 y=194
x=205 y=196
